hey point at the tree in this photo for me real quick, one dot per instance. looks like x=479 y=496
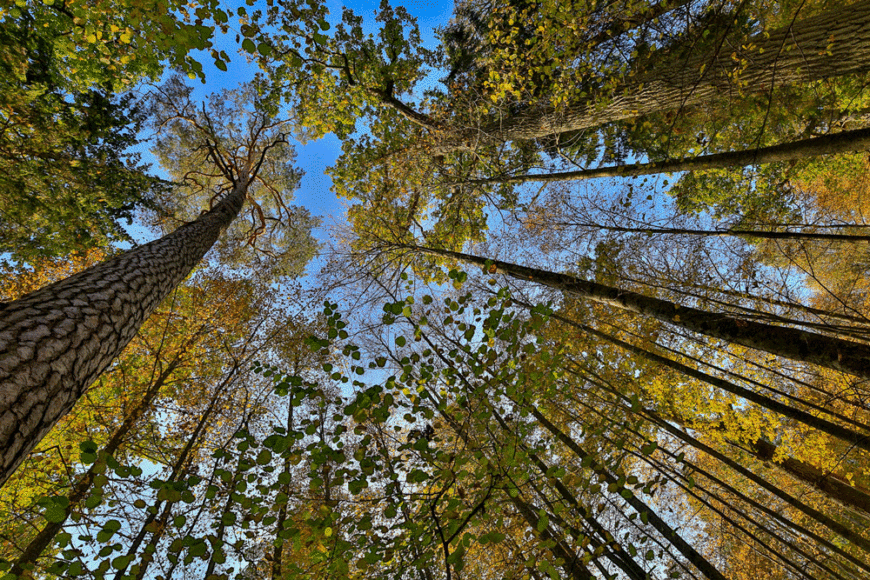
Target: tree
x=47 y=365
x=187 y=337
x=427 y=162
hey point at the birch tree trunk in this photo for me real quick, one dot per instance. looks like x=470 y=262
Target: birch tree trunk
x=834 y=43
x=56 y=341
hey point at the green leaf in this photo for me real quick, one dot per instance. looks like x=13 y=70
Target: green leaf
x=55 y=514
x=264 y=49
x=249 y=46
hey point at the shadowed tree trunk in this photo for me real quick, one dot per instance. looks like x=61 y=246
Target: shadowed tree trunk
x=56 y=341
x=800 y=345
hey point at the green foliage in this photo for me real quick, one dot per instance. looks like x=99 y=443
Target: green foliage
x=67 y=176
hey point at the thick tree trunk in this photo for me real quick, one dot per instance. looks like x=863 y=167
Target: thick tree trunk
x=837 y=143
x=56 y=341
x=82 y=486
x=834 y=43
x=800 y=345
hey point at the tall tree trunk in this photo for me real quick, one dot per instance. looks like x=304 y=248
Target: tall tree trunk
x=837 y=143
x=82 y=486
x=667 y=532
x=800 y=345
x=56 y=341
x=852 y=437
x=833 y=43
x=179 y=468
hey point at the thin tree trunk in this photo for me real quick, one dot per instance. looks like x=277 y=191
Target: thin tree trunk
x=833 y=43
x=764 y=234
x=179 y=466
x=834 y=487
x=619 y=559
x=837 y=143
x=795 y=344
x=692 y=555
x=278 y=550
x=572 y=565
x=791 y=500
x=56 y=341
x=704 y=565
x=151 y=547
x=809 y=419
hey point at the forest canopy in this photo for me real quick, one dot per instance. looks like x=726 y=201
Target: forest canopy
x=594 y=303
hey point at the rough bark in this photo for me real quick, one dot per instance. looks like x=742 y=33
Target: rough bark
x=800 y=345
x=837 y=143
x=56 y=341
x=81 y=488
x=834 y=43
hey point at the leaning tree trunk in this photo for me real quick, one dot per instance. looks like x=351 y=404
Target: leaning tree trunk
x=834 y=43
x=56 y=341
x=799 y=345
x=838 y=143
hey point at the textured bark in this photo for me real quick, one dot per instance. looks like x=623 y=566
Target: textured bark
x=834 y=43
x=837 y=143
x=56 y=341
x=800 y=345
x=83 y=485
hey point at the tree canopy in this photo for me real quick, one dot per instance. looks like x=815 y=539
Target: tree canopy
x=598 y=308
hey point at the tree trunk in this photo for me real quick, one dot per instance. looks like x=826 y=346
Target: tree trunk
x=56 y=341
x=179 y=468
x=83 y=485
x=834 y=43
x=706 y=567
x=833 y=486
x=837 y=143
x=800 y=345
x=852 y=437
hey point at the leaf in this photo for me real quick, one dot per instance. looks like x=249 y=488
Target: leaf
x=249 y=46
x=55 y=514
